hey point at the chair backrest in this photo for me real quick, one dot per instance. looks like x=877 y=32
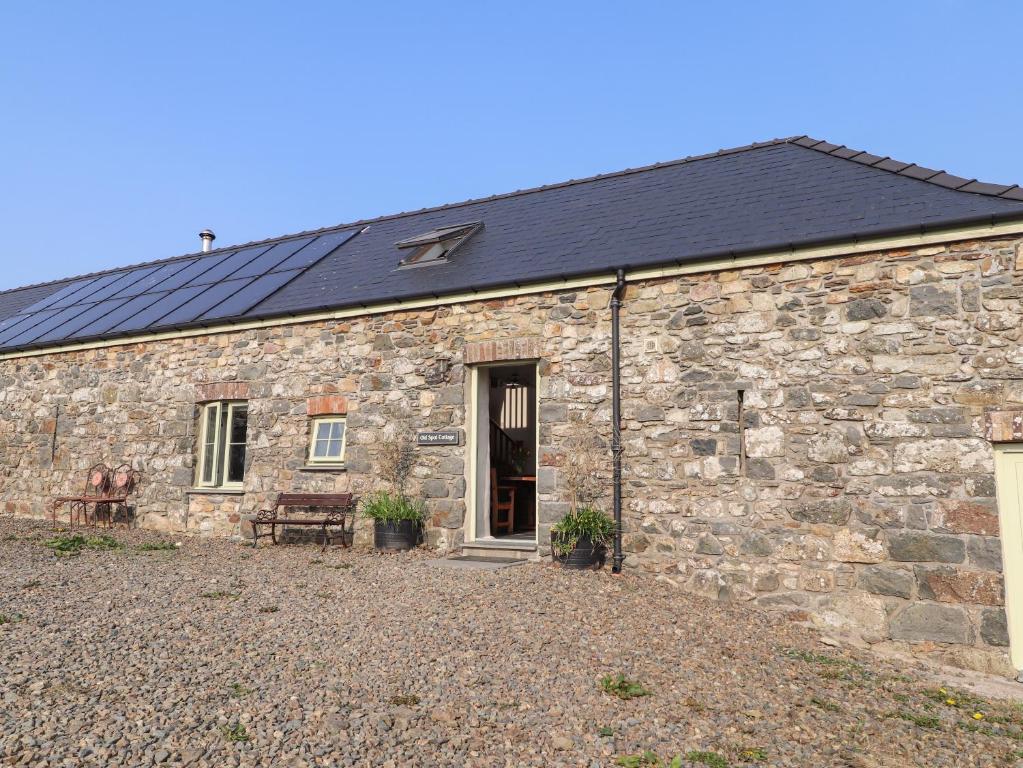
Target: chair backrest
x=97 y=482
x=124 y=479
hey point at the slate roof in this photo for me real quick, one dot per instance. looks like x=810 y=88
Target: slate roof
x=772 y=195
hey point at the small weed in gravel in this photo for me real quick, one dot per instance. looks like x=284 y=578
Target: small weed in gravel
x=921 y=721
x=620 y=686
x=646 y=759
x=239 y=691
x=605 y=732
x=315 y=561
x=157 y=546
x=10 y=618
x=404 y=700
x=269 y=609
x=753 y=754
x=72 y=545
x=693 y=704
x=340 y=566
x=827 y=706
x=235 y=732
x=710 y=759
x=31 y=584
x=220 y=594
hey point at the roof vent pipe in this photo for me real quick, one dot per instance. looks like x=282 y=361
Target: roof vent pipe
x=207 y=239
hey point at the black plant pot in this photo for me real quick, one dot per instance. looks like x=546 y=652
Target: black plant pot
x=398 y=535
x=585 y=556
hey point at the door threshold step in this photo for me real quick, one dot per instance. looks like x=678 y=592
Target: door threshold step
x=493 y=549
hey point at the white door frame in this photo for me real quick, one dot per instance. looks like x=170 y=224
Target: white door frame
x=471 y=448
x=1009 y=487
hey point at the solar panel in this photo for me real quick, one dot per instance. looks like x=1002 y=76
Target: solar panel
x=195 y=289
x=252 y=294
x=272 y=258
x=204 y=302
x=130 y=308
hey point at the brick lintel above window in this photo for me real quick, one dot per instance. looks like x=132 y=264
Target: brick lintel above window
x=527 y=348
x=327 y=405
x=223 y=390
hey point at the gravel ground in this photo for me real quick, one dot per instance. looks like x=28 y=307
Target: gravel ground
x=210 y=654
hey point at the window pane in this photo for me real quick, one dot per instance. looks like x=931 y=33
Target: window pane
x=236 y=445
x=209 y=451
x=323 y=430
x=335 y=430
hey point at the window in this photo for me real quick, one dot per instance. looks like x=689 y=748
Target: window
x=327 y=441
x=435 y=246
x=222 y=430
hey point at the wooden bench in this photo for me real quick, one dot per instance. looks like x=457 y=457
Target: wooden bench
x=325 y=511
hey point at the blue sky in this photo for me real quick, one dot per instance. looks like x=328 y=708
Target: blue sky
x=128 y=127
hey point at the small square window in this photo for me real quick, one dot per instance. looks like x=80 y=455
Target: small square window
x=327 y=441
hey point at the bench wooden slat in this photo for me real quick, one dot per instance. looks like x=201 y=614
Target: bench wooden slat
x=311 y=499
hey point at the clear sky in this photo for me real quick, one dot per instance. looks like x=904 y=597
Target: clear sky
x=126 y=128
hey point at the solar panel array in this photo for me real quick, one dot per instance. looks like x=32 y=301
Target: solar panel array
x=175 y=293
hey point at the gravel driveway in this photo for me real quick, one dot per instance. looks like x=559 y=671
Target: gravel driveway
x=210 y=654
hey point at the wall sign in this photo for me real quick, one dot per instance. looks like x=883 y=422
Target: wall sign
x=438 y=438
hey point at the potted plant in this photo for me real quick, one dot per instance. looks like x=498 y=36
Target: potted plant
x=397 y=518
x=580 y=539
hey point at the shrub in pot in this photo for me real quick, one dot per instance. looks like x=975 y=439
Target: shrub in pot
x=580 y=539
x=397 y=520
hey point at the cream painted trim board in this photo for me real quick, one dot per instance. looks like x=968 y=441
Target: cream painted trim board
x=1009 y=486
x=710 y=265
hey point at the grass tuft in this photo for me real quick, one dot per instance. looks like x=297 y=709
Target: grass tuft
x=235 y=733
x=710 y=759
x=157 y=546
x=623 y=688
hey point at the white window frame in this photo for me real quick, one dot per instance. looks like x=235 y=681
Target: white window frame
x=221 y=447
x=327 y=461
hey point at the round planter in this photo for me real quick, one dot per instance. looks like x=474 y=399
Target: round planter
x=399 y=535
x=585 y=556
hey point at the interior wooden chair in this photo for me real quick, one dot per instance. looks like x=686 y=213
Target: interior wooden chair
x=497 y=506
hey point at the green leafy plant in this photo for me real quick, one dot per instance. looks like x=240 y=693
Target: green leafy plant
x=605 y=732
x=157 y=546
x=754 y=754
x=239 y=691
x=10 y=618
x=921 y=721
x=234 y=732
x=623 y=688
x=582 y=522
x=387 y=507
x=72 y=545
x=710 y=759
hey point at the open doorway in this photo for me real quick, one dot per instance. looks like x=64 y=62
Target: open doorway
x=505 y=444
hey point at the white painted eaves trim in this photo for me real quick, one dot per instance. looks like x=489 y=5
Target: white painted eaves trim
x=709 y=265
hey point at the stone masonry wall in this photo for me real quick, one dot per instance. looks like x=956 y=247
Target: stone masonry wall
x=811 y=436
x=869 y=388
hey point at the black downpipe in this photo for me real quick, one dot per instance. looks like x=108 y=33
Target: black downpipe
x=616 y=419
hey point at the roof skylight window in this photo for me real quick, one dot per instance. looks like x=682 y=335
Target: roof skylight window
x=434 y=246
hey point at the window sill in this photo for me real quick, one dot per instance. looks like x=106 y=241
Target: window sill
x=215 y=492
x=323 y=468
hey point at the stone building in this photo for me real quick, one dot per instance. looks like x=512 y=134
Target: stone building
x=821 y=380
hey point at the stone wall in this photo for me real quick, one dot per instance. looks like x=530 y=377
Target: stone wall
x=812 y=436
x=854 y=479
